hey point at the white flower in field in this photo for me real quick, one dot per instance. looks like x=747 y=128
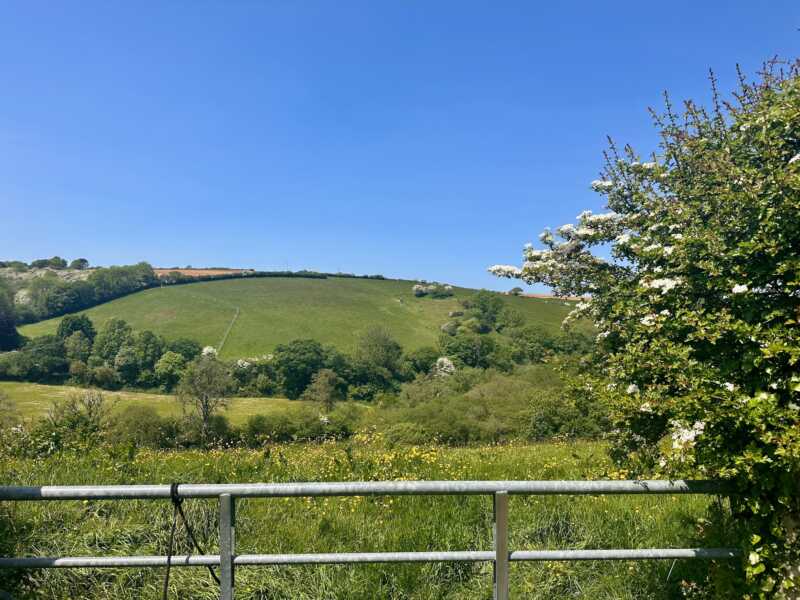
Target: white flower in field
x=795 y=158
x=646 y=408
x=664 y=313
x=504 y=271
x=739 y=288
x=632 y=389
x=324 y=419
x=599 y=185
x=729 y=386
x=648 y=320
x=668 y=250
x=602 y=335
x=677 y=236
x=209 y=351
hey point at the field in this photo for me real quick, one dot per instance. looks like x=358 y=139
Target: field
x=252 y=316
x=352 y=524
x=32 y=401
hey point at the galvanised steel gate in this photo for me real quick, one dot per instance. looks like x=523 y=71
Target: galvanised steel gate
x=228 y=560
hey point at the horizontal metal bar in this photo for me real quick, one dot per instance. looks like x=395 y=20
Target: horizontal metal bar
x=366 y=557
x=362 y=488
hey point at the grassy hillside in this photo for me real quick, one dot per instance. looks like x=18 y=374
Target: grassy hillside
x=258 y=314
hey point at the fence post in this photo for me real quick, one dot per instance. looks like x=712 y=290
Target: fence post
x=227 y=545
x=500 y=534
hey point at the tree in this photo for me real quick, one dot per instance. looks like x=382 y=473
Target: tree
x=485 y=306
x=72 y=323
x=115 y=334
x=9 y=337
x=325 y=388
x=698 y=308
x=296 y=362
x=187 y=348
x=79 y=264
x=205 y=388
x=169 y=369
x=78 y=347
x=423 y=359
x=149 y=347
x=469 y=349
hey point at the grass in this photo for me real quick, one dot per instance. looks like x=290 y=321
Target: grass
x=276 y=310
x=348 y=524
x=32 y=400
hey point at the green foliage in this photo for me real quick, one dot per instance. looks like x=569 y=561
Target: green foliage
x=79 y=264
x=698 y=310
x=138 y=426
x=187 y=348
x=9 y=337
x=42 y=359
x=296 y=363
x=169 y=369
x=326 y=389
x=115 y=334
x=72 y=323
x=485 y=307
x=422 y=359
x=205 y=388
x=469 y=349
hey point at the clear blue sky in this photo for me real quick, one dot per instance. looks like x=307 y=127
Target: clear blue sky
x=419 y=139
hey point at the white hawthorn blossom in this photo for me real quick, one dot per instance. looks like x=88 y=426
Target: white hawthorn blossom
x=739 y=288
x=683 y=436
x=665 y=284
x=444 y=367
x=504 y=271
x=599 y=185
x=648 y=320
x=795 y=158
x=729 y=386
x=632 y=389
x=209 y=351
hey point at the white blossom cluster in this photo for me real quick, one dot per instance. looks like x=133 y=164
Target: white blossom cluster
x=424 y=288
x=683 y=436
x=209 y=351
x=444 y=367
x=665 y=285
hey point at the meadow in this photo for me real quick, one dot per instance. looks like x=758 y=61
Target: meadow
x=350 y=524
x=33 y=400
x=249 y=317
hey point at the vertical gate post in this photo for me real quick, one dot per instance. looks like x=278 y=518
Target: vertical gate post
x=500 y=534
x=227 y=545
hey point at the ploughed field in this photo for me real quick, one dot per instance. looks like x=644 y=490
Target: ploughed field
x=346 y=524
x=252 y=316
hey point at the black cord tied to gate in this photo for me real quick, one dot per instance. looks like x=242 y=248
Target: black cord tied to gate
x=177 y=510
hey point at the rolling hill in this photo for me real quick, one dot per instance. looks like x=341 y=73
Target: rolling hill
x=249 y=317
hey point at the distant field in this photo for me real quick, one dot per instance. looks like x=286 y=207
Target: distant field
x=262 y=313
x=32 y=400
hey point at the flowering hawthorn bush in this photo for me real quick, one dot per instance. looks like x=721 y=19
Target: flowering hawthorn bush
x=698 y=304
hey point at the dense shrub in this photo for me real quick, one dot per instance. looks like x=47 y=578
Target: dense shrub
x=139 y=425
x=696 y=298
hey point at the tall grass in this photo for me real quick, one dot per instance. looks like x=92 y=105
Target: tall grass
x=346 y=524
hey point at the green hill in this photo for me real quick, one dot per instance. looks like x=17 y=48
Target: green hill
x=252 y=316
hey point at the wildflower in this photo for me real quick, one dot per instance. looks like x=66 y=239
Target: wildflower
x=729 y=386
x=739 y=288
x=632 y=389
x=646 y=408
x=684 y=437
x=209 y=351
x=795 y=158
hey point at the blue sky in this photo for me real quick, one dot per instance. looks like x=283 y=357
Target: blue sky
x=416 y=139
